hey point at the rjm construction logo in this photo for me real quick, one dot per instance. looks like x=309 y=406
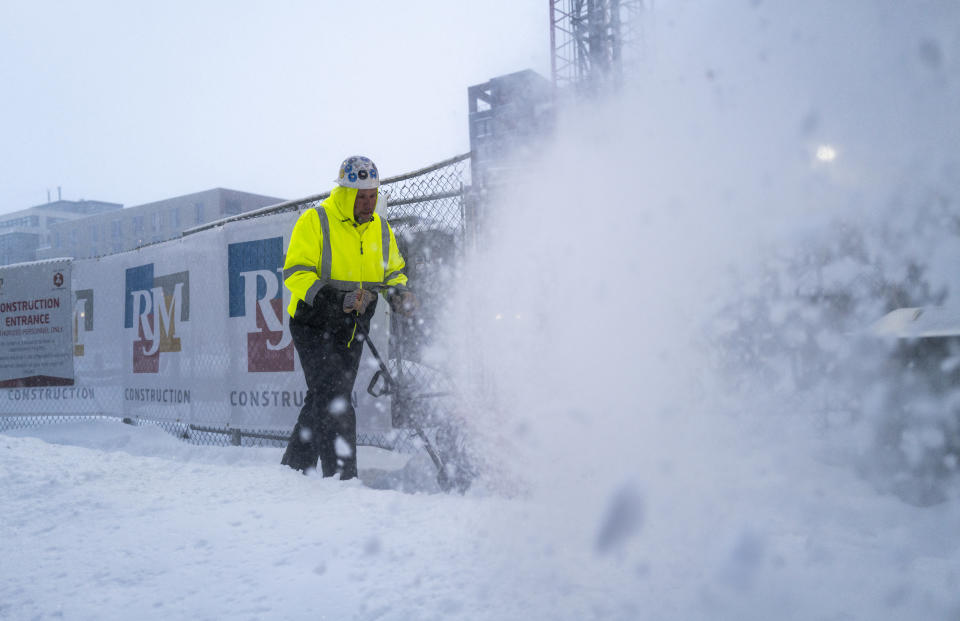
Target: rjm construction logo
x=254 y=273
x=82 y=318
x=155 y=305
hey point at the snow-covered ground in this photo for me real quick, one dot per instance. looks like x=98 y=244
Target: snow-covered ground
x=109 y=521
x=623 y=477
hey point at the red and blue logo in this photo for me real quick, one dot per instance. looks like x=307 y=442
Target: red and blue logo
x=255 y=282
x=155 y=305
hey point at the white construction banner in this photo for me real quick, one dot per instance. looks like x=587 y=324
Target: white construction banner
x=36 y=348
x=194 y=330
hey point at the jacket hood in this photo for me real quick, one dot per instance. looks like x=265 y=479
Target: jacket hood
x=340 y=202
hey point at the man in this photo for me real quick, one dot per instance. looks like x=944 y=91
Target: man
x=341 y=254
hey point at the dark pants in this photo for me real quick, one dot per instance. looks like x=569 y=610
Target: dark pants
x=329 y=352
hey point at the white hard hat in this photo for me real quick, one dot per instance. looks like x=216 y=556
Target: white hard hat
x=358 y=172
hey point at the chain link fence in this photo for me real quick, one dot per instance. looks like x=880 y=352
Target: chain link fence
x=428 y=212
x=397 y=440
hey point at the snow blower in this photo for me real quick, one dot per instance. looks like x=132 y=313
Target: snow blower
x=447 y=451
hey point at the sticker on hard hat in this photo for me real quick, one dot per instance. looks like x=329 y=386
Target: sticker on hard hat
x=357 y=171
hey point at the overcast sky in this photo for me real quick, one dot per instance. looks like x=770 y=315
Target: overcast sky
x=132 y=102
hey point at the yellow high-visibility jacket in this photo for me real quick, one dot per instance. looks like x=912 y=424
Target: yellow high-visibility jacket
x=329 y=249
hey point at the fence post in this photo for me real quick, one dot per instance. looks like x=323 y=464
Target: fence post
x=235 y=437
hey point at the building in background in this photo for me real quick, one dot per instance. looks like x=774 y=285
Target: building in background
x=117 y=231
x=508 y=117
x=24 y=232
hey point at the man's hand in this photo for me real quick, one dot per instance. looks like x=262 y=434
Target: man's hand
x=404 y=303
x=358 y=301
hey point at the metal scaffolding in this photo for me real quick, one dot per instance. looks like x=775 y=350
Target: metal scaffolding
x=592 y=42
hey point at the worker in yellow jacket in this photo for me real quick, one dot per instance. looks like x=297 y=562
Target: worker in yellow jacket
x=341 y=255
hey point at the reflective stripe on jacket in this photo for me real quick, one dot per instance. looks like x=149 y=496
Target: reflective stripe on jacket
x=329 y=249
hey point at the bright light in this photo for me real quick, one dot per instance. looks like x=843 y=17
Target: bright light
x=498 y=316
x=826 y=153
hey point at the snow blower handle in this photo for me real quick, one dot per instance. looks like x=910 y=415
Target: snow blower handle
x=388 y=382
x=372 y=386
